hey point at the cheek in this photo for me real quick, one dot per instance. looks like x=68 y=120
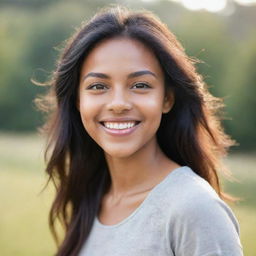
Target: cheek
x=88 y=112
x=154 y=102
x=154 y=105
x=155 y=108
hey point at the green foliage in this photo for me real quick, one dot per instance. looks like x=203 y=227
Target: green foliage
x=240 y=81
x=204 y=37
x=29 y=50
x=32 y=32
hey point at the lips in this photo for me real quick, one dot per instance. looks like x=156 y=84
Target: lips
x=120 y=126
x=117 y=125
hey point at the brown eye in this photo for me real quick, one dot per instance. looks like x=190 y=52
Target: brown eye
x=141 y=86
x=96 y=87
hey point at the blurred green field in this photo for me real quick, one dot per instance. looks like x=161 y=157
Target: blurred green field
x=24 y=211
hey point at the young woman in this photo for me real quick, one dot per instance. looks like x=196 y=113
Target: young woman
x=135 y=145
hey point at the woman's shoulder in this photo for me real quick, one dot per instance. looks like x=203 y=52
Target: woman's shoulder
x=184 y=183
x=197 y=214
x=187 y=193
x=190 y=198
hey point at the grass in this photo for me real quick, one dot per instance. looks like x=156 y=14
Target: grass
x=24 y=211
x=243 y=169
x=23 y=224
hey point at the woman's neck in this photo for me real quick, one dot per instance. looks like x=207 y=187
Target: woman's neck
x=138 y=172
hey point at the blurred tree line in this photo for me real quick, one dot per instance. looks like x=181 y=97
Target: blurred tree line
x=32 y=31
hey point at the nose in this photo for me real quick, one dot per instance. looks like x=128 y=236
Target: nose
x=119 y=102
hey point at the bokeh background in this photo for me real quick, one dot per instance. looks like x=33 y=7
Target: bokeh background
x=221 y=33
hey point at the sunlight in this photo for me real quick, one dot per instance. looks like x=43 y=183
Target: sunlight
x=209 y=5
x=246 y=2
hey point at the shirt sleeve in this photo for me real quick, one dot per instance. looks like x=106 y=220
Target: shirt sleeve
x=204 y=226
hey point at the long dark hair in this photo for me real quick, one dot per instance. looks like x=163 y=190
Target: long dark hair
x=190 y=134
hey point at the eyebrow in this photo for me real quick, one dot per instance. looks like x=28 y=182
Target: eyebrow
x=131 y=75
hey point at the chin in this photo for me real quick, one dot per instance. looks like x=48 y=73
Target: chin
x=119 y=153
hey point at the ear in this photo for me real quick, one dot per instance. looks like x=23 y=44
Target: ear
x=168 y=101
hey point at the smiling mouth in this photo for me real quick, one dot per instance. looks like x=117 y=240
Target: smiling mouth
x=120 y=125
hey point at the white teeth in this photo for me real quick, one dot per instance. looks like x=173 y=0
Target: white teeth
x=119 y=126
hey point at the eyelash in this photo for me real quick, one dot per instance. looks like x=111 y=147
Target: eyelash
x=92 y=86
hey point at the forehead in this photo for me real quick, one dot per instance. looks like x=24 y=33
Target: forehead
x=122 y=55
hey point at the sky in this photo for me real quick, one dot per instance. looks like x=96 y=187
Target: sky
x=210 y=5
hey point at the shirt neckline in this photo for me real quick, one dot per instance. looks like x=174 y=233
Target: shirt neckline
x=149 y=195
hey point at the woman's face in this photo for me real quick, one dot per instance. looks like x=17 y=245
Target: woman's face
x=121 y=96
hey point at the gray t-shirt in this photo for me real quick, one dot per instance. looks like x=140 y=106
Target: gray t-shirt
x=181 y=216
